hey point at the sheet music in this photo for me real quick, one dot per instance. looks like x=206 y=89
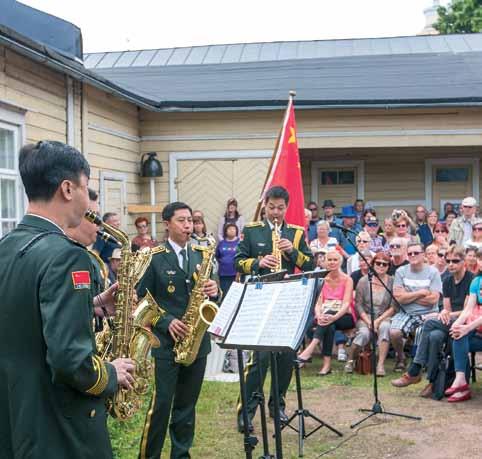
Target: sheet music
x=220 y=324
x=252 y=315
x=273 y=316
x=285 y=320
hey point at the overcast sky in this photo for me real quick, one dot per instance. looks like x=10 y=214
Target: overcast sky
x=114 y=25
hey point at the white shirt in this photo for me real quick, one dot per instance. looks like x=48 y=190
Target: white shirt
x=48 y=220
x=177 y=250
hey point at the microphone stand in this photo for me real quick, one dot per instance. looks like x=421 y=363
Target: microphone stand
x=377 y=407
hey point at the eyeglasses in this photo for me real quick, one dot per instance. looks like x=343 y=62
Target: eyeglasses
x=402 y=225
x=439 y=231
x=381 y=263
x=364 y=241
x=141 y=226
x=441 y=254
x=312 y=208
x=413 y=254
x=454 y=261
x=395 y=246
x=372 y=225
x=477 y=228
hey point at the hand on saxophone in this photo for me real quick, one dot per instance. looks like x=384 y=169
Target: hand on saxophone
x=106 y=299
x=285 y=245
x=177 y=329
x=124 y=369
x=268 y=261
x=210 y=288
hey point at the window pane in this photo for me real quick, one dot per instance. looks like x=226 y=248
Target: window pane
x=7 y=149
x=452 y=174
x=6 y=228
x=7 y=196
x=329 y=178
x=347 y=177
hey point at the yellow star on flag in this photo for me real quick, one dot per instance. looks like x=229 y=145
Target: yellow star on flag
x=292 y=138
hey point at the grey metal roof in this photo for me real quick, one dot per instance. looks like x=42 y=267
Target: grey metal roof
x=362 y=81
x=285 y=50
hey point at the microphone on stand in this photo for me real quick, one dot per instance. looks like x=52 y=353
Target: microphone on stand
x=342 y=228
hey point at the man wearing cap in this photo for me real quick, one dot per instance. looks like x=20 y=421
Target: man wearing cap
x=371 y=227
x=461 y=227
x=114 y=261
x=349 y=222
x=329 y=211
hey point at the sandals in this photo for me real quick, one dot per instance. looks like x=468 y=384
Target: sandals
x=324 y=374
x=453 y=390
x=302 y=362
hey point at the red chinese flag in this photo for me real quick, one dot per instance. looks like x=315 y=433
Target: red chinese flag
x=286 y=169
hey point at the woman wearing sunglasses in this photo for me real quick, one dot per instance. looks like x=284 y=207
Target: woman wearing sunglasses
x=441 y=235
x=383 y=308
x=476 y=240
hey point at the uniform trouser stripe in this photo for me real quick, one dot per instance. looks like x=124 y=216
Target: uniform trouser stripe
x=147 y=424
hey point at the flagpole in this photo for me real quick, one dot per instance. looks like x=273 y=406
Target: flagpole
x=291 y=97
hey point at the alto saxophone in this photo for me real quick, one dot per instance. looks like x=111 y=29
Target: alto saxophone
x=131 y=336
x=275 y=238
x=200 y=311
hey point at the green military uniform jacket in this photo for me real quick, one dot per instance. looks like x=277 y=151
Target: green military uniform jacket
x=52 y=385
x=256 y=242
x=171 y=287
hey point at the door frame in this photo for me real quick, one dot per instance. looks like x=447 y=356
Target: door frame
x=464 y=161
x=114 y=176
x=359 y=165
x=224 y=154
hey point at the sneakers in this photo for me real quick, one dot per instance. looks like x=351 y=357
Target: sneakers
x=405 y=380
x=349 y=367
x=400 y=366
x=342 y=355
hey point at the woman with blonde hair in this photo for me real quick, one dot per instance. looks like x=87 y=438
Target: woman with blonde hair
x=333 y=310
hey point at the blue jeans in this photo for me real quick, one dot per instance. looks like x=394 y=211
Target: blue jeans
x=461 y=348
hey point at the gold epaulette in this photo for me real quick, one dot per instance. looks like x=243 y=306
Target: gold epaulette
x=159 y=249
x=289 y=225
x=254 y=224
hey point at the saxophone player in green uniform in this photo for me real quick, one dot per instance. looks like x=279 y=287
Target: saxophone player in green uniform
x=53 y=386
x=170 y=279
x=255 y=256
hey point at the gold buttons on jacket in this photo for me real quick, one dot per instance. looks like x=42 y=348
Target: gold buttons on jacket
x=92 y=414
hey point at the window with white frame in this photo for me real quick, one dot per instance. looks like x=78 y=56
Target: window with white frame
x=10 y=188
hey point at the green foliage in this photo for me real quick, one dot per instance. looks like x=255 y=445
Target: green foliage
x=461 y=16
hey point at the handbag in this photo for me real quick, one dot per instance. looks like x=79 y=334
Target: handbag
x=363 y=364
x=331 y=306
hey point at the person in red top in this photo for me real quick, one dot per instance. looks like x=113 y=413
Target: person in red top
x=143 y=238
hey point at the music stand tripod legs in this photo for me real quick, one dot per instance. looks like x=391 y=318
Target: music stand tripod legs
x=301 y=413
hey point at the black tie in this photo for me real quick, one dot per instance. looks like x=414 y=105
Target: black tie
x=184 y=260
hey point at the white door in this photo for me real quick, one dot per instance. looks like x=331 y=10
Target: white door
x=113 y=194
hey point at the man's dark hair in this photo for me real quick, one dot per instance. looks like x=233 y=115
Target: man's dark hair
x=170 y=209
x=277 y=192
x=45 y=165
x=108 y=215
x=93 y=195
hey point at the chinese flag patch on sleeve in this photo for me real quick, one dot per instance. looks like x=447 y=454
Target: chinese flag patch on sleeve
x=81 y=279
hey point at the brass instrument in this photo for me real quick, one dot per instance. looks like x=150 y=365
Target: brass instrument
x=131 y=336
x=200 y=311
x=275 y=238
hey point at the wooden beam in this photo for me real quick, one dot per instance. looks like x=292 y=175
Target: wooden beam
x=144 y=208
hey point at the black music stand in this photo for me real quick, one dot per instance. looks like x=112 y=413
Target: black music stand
x=263 y=343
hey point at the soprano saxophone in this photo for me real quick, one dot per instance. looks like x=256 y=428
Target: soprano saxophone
x=275 y=238
x=131 y=336
x=200 y=311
